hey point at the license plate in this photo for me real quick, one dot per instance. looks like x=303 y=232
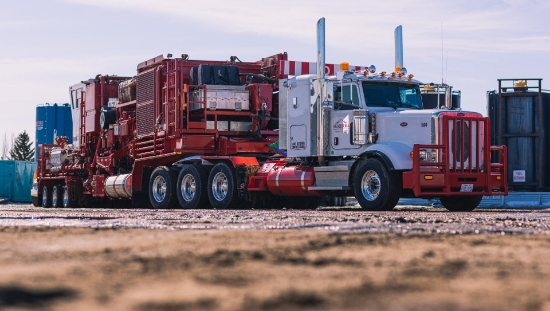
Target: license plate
x=466 y=187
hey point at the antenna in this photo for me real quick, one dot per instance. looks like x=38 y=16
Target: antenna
x=446 y=66
x=441 y=52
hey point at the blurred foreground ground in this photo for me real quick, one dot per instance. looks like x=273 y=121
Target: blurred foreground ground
x=411 y=259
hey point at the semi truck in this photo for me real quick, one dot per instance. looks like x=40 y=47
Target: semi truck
x=271 y=133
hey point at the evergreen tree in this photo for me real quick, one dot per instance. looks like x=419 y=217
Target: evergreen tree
x=21 y=149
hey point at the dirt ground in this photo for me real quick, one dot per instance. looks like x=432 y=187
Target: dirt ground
x=71 y=268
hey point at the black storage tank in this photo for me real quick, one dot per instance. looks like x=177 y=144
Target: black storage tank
x=519 y=120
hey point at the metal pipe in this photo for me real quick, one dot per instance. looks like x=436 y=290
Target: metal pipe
x=320 y=83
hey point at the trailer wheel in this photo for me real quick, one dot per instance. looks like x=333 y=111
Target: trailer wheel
x=374 y=188
x=461 y=203
x=36 y=201
x=46 y=197
x=57 y=196
x=191 y=187
x=222 y=187
x=68 y=200
x=162 y=188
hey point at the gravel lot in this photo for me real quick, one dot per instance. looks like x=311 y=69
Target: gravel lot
x=414 y=258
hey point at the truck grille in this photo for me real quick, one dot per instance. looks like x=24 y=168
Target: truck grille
x=460 y=146
x=465 y=140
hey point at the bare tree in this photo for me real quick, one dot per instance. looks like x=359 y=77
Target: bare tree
x=5 y=147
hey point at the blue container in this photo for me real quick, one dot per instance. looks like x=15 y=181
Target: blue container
x=16 y=180
x=52 y=121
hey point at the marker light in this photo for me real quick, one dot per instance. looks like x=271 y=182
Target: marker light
x=372 y=69
x=344 y=66
x=398 y=68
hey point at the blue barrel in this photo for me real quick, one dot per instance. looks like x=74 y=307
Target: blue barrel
x=51 y=121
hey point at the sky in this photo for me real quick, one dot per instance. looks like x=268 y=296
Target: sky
x=48 y=45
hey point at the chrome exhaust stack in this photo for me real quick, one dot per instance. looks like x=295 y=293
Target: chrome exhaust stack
x=398 y=35
x=320 y=87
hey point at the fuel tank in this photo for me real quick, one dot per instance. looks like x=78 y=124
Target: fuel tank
x=292 y=180
x=119 y=186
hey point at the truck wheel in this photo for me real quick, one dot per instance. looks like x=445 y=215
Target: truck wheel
x=338 y=200
x=68 y=200
x=461 y=203
x=162 y=188
x=36 y=202
x=57 y=196
x=374 y=187
x=192 y=187
x=396 y=180
x=222 y=187
x=46 y=197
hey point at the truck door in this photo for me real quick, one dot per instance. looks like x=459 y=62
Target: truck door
x=346 y=100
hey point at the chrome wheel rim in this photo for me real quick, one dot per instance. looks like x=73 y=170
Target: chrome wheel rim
x=370 y=185
x=54 y=197
x=66 y=198
x=159 y=189
x=188 y=187
x=44 y=196
x=219 y=186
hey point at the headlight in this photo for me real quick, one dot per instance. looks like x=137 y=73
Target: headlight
x=422 y=155
x=428 y=155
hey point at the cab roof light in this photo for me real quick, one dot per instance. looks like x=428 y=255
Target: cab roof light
x=344 y=66
x=372 y=69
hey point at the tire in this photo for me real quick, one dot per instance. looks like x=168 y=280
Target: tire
x=396 y=180
x=461 y=203
x=36 y=201
x=162 y=188
x=222 y=187
x=338 y=200
x=46 y=197
x=375 y=188
x=68 y=200
x=57 y=196
x=191 y=187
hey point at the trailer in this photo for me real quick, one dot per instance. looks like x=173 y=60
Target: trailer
x=270 y=133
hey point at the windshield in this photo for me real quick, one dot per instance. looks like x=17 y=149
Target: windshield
x=391 y=94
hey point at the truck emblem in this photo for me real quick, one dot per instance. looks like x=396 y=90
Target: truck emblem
x=404 y=124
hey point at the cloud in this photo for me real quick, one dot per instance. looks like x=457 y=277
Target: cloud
x=469 y=26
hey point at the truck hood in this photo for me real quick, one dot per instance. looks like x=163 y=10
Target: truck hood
x=410 y=126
